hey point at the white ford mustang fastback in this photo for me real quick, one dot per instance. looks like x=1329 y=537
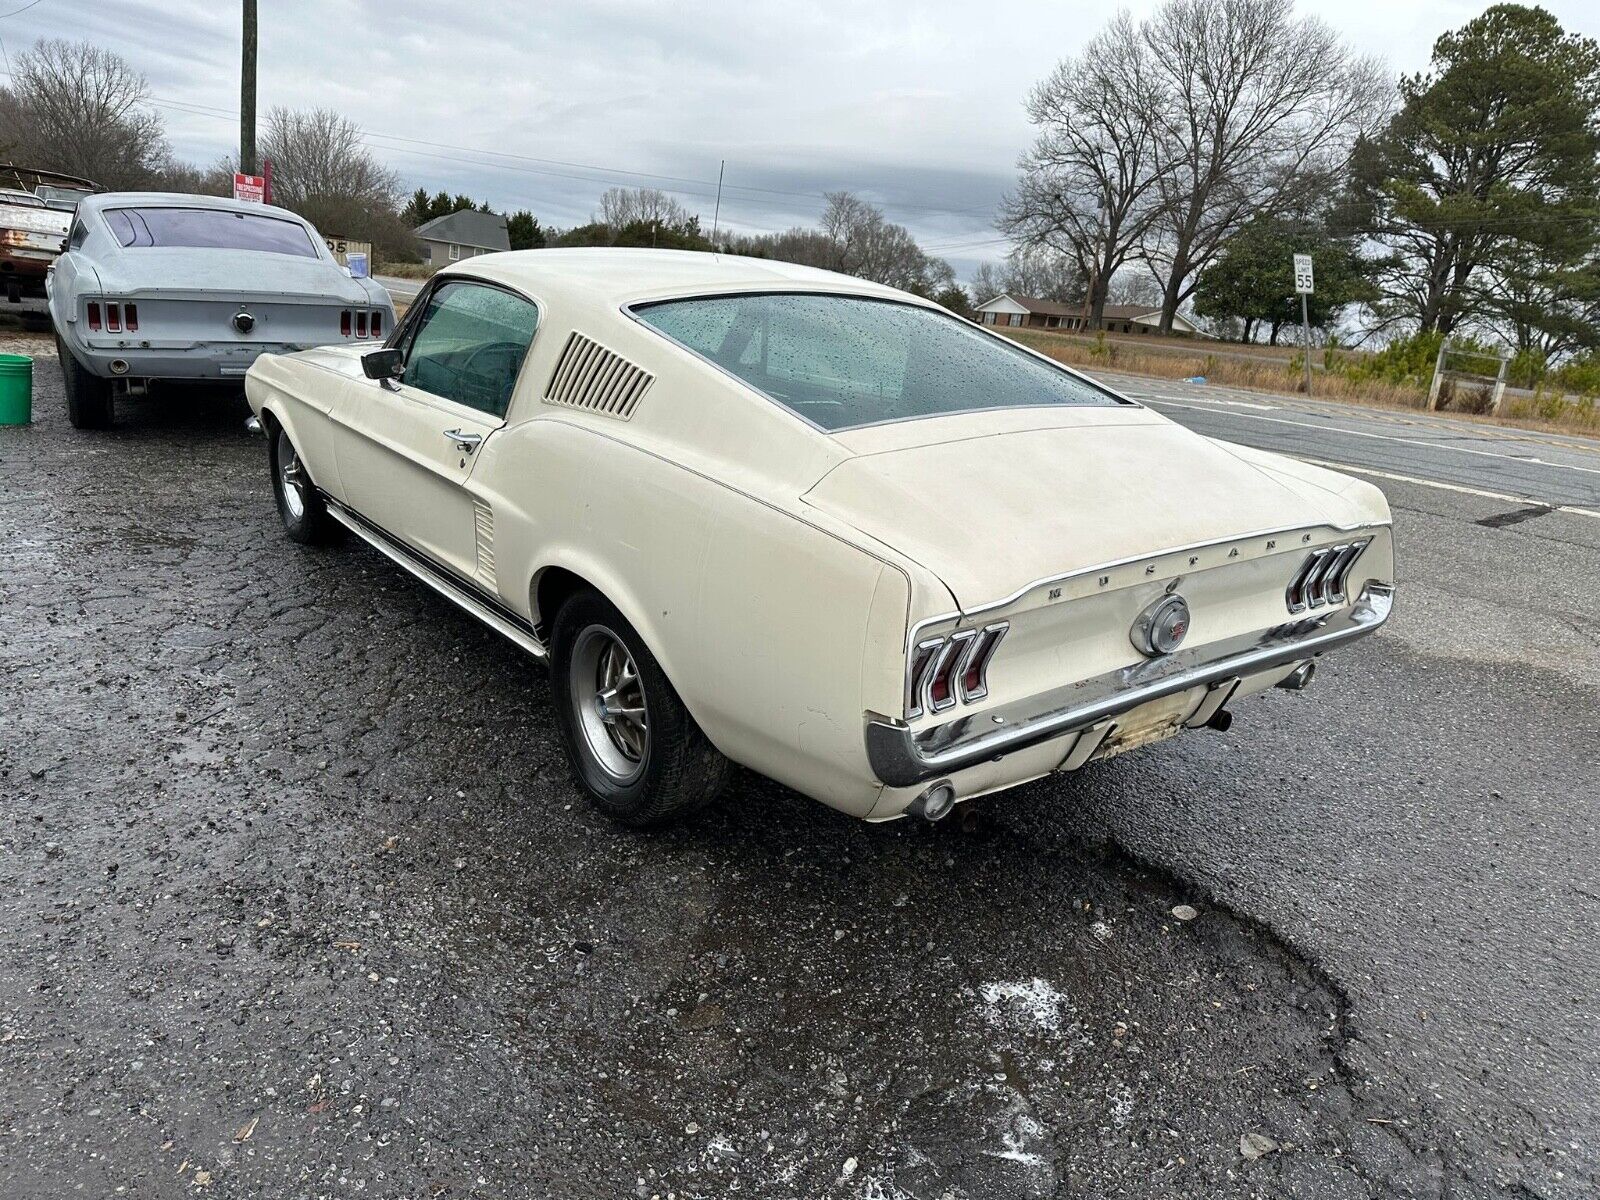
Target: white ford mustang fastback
x=759 y=513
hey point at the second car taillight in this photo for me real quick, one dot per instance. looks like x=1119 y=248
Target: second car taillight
x=949 y=670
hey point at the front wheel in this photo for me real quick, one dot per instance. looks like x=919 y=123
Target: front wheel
x=305 y=517
x=630 y=741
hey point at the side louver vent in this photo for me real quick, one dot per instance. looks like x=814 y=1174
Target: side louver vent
x=483 y=526
x=1321 y=578
x=592 y=377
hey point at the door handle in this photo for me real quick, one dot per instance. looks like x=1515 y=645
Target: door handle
x=464 y=441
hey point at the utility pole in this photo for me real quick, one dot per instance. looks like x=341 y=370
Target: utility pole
x=247 y=92
x=716 y=216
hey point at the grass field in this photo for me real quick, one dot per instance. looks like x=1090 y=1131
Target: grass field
x=1276 y=369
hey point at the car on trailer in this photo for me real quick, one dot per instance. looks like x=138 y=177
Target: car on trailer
x=35 y=212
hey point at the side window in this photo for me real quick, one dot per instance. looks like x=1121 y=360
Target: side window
x=469 y=344
x=79 y=232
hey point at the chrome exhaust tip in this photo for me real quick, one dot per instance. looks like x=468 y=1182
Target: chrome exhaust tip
x=119 y=366
x=935 y=802
x=1299 y=677
x=252 y=424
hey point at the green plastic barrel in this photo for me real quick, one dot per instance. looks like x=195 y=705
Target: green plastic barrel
x=16 y=389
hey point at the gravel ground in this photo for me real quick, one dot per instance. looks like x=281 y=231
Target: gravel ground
x=296 y=899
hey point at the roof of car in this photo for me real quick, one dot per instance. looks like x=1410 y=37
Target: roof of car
x=619 y=275
x=104 y=200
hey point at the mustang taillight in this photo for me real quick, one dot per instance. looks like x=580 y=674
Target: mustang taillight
x=945 y=671
x=975 y=678
x=113 y=318
x=361 y=323
x=344 y=323
x=1322 y=577
x=130 y=313
x=94 y=317
x=377 y=324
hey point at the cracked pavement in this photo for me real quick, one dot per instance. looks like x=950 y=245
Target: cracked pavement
x=296 y=899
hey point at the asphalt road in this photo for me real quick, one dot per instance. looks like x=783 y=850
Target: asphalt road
x=1542 y=468
x=296 y=898
x=401 y=289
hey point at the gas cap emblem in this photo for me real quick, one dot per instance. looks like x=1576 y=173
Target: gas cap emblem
x=1161 y=628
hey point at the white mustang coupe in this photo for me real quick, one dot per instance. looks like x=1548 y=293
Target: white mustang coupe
x=759 y=513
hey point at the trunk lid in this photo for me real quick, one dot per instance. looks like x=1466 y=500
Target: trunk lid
x=230 y=275
x=991 y=515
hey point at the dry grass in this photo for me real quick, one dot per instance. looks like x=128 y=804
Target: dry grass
x=1273 y=373
x=404 y=270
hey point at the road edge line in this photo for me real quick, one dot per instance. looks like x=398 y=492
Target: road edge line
x=1450 y=487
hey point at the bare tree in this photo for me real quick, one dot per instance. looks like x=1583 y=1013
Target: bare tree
x=620 y=207
x=1089 y=185
x=855 y=239
x=323 y=170
x=869 y=245
x=1260 y=111
x=1030 y=271
x=82 y=110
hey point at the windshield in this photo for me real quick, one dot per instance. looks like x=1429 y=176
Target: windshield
x=211 y=228
x=61 y=197
x=840 y=361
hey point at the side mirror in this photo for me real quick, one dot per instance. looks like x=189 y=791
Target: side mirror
x=383 y=364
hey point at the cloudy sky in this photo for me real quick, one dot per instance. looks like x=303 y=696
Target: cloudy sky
x=542 y=106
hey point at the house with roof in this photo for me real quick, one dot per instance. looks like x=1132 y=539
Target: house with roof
x=459 y=235
x=1029 y=312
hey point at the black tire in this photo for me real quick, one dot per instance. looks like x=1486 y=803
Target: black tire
x=677 y=770
x=89 y=399
x=305 y=516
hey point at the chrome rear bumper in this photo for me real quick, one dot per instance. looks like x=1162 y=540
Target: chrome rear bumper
x=903 y=758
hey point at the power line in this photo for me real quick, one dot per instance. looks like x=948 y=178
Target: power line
x=904 y=206
x=23 y=9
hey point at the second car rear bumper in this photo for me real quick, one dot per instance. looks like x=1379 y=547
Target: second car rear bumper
x=217 y=361
x=901 y=757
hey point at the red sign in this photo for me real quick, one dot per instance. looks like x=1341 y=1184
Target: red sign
x=250 y=187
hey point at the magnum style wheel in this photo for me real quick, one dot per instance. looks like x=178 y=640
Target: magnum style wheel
x=631 y=744
x=305 y=517
x=89 y=400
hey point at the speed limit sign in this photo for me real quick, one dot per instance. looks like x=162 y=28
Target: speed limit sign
x=1302 y=274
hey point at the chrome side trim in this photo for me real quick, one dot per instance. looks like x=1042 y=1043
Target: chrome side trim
x=901 y=758
x=436 y=577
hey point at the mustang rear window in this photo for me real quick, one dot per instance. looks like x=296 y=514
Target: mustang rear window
x=209 y=228
x=841 y=361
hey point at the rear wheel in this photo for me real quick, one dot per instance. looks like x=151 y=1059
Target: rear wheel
x=630 y=741
x=305 y=517
x=89 y=400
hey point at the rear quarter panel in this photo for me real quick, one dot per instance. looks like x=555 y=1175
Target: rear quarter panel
x=776 y=633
